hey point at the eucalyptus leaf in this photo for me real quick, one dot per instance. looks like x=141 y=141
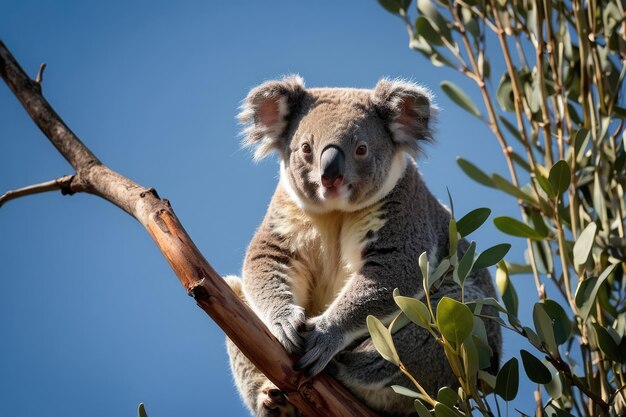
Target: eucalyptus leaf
x=394 y=6
x=514 y=227
x=466 y=262
x=475 y=173
x=535 y=369
x=424 y=28
x=561 y=323
x=507 y=381
x=507 y=291
x=421 y=409
x=560 y=177
x=442 y=410
x=399 y=389
x=454 y=320
x=606 y=343
x=491 y=256
x=141 y=411
x=545 y=331
x=504 y=185
x=588 y=290
x=583 y=244
x=447 y=396
x=415 y=310
x=453 y=237
x=381 y=337
x=472 y=221
x=460 y=98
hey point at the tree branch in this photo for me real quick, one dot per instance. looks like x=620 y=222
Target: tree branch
x=62 y=184
x=319 y=396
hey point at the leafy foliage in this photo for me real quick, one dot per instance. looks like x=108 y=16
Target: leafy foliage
x=557 y=113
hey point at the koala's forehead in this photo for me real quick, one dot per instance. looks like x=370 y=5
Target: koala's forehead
x=335 y=112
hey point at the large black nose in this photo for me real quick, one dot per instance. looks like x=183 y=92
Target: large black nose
x=332 y=164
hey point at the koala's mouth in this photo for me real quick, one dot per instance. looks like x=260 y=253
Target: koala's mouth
x=335 y=191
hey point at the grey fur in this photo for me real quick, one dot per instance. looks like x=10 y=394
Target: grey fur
x=325 y=258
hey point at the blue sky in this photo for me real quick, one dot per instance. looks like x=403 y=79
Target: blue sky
x=92 y=320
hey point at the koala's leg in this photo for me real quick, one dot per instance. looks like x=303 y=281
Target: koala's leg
x=260 y=395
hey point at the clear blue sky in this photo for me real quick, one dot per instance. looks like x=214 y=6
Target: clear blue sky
x=92 y=320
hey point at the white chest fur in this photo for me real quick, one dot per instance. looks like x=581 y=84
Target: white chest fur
x=327 y=250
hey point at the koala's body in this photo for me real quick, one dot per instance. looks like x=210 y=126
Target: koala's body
x=346 y=225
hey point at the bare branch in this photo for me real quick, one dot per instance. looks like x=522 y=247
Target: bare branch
x=318 y=396
x=39 y=78
x=62 y=184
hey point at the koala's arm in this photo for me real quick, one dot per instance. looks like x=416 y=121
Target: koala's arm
x=388 y=263
x=267 y=286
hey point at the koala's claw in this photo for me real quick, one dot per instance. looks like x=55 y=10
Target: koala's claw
x=285 y=327
x=273 y=403
x=321 y=346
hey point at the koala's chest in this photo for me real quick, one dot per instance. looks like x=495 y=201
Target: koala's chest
x=328 y=251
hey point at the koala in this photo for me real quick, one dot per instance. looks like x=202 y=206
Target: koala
x=346 y=225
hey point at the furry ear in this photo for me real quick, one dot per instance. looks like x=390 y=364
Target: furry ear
x=408 y=111
x=266 y=113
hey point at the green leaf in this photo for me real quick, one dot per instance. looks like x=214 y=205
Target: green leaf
x=514 y=227
x=560 y=176
x=472 y=221
x=475 y=173
x=447 y=396
x=606 y=343
x=536 y=371
x=504 y=93
x=465 y=264
x=453 y=236
x=141 y=412
x=442 y=410
x=421 y=409
x=504 y=185
x=454 y=320
x=561 y=324
x=583 y=244
x=394 y=6
x=588 y=290
x=545 y=331
x=545 y=184
x=507 y=381
x=424 y=28
x=415 y=310
x=381 y=337
x=399 y=389
x=424 y=266
x=491 y=256
x=441 y=269
x=554 y=387
x=428 y=10
x=460 y=98
x=507 y=291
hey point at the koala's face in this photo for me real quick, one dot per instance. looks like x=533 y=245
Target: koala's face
x=341 y=149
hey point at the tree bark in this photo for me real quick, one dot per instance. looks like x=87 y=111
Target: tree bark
x=318 y=396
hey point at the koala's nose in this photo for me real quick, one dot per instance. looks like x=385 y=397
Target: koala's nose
x=332 y=164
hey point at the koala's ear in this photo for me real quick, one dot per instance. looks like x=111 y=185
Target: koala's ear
x=407 y=109
x=266 y=112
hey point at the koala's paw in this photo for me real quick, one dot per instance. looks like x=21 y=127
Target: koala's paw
x=285 y=324
x=322 y=342
x=273 y=403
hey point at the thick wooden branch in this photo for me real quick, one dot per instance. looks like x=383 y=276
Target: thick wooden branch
x=319 y=396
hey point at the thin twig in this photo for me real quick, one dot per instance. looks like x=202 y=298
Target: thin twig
x=62 y=184
x=39 y=78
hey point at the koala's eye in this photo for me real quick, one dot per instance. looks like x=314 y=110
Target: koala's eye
x=306 y=148
x=361 y=149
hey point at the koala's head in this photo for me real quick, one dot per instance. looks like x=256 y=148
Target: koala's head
x=340 y=148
